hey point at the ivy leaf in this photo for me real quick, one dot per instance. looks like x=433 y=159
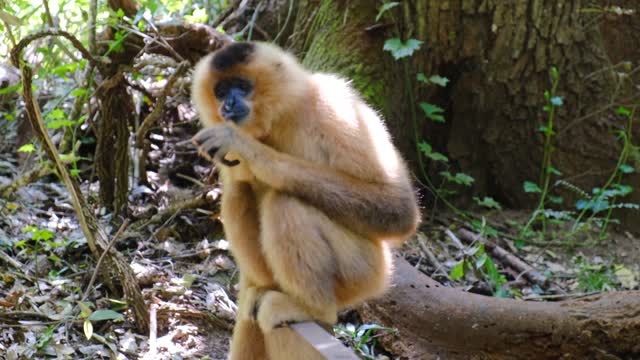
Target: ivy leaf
x=427 y=150
x=439 y=80
x=386 y=7
x=530 y=187
x=399 y=49
x=432 y=111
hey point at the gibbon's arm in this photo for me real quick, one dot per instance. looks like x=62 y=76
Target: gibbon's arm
x=374 y=209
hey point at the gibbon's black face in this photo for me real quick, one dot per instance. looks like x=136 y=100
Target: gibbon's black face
x=232 y=93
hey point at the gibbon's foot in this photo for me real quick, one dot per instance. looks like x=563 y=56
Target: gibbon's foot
x=277 y=310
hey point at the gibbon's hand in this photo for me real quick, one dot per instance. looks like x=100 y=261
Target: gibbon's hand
x=215 y=142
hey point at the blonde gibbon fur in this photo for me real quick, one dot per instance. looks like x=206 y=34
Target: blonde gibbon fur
x=318 y=196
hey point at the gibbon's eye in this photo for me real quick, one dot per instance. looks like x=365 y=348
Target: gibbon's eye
x=242 y=86
x=221 y=89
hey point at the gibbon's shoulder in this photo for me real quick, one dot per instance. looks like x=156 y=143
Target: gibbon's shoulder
x=341 y=99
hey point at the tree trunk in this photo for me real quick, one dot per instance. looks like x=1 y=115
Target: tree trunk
x=436 y=322
x=498 y=57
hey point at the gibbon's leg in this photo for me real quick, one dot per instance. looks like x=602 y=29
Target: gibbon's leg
x=302 y=262
x=242 y=229
x=247 y=342
x=313 y=259
x=285 y=344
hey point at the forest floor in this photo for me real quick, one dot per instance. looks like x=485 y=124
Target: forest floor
x=183 y=265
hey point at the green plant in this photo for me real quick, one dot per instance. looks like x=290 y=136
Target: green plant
x=595 y=277
x=476 y=260
x=362 y=338
x=542 y=187
x=401 y=50
x=605 y=198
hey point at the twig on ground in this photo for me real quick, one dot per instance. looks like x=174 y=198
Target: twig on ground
x=507 y=258
x=454 y=239
x=8 y=259
x=95 y=272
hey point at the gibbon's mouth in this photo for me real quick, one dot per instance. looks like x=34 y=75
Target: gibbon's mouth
x=236 y=117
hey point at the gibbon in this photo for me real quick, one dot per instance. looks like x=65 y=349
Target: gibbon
x=314 y=192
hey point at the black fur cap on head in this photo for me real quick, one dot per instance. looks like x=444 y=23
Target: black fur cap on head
x=236 y=53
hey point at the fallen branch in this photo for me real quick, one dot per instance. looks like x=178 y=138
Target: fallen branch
x=439 y=321
x=26 y=179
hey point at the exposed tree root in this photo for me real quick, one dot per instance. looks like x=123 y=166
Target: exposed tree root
x=435 y=321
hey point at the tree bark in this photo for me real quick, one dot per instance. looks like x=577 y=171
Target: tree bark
x=438 y=322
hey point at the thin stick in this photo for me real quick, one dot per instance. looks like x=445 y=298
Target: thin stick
x=105 y=252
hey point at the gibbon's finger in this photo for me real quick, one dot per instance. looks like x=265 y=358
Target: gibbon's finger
x=201 y=137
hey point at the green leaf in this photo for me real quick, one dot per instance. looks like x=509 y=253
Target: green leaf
x=88 y=329
x=555 y=199
x=480 y=261
x=422 y=78
x=530 y=187
x=457 y=272
x=554 y=72
x=436 y=156
x=439 y=80
x=42 y=234
x=386 y=7
x=552 y=170
x=105 y=314
x=427 y=150
x=626 y=169
x=56 y=114
x=623 y=111
x=556 y=101
x=27 y=148
x=57 y=124
x=464 y=179
x=432 y=111
x=546 y=130
x=488 y=202
x=10 y=89
x=79 y=92
x=399 y=49
x=459 y=178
